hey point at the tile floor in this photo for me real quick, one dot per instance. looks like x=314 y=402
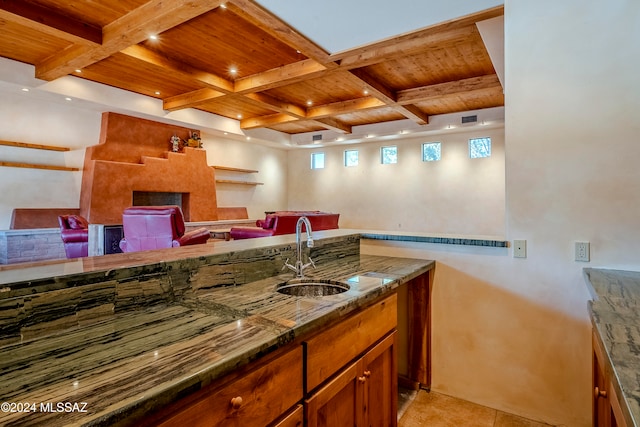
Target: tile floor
x=422 y=408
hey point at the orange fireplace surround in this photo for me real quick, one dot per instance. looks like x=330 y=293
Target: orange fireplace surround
x=134 y=155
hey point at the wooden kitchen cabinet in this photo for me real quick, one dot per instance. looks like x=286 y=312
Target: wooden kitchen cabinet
x=606 y=406
x=358 y=357
x=258 y=397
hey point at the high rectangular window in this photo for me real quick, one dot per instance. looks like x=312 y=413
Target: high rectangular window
x=389 y=155
x=431 y=152
x=317 y=160
x=479 y=147
x=351 y=157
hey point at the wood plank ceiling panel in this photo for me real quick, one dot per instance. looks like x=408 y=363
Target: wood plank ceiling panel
x=98 y=13
x=26 y=45
x=124 y=72
x=379 y=115
x=219 y=40
x=297 y=127
x=332 y=87
x=232 y=106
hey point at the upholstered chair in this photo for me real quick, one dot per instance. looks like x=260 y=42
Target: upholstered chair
x=74 y=231
x=157 y=227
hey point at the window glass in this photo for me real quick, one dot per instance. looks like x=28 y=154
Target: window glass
x=317 y=160
x=479 y=147
x=431 y=152
x=351 y=157
x=389 y=155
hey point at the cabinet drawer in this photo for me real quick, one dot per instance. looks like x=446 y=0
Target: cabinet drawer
x=256 y=399
x=332 y=349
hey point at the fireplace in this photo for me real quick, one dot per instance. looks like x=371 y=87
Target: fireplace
x=133 y=165
x=158 y=198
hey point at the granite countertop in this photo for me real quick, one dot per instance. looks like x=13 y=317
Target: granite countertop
x=616 y=319
x=114 y=371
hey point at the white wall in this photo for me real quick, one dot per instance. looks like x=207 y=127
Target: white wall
x=456 y=195
x=25 y=118
x=42 y=118
x=271 y=164
x=514 y=334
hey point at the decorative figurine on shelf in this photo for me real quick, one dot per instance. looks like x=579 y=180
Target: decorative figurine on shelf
x=175 y=143
x=194 y=140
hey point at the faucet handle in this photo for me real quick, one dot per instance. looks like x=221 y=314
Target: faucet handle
x=289 y=266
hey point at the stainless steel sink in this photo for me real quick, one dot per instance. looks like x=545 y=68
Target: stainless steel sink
x=311 y=287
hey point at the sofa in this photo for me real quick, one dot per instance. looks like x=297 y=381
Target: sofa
x=74 y=231
x=157 y=227
x=284 y=222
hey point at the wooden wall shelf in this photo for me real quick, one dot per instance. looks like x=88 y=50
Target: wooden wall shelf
x=227 y=168
x=34 y=166
x=33 y=146
x=233 y=181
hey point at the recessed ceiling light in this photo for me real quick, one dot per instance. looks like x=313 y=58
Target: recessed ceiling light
x=233 y=70
x=68 y=99
x=366 y=92
x=78 y=70
x=226 y=133
x=248 y=138
x=153 y=37
x=223 y=6
x=309 y=102
x=25 y=89
x=157 y=92
x=239 y=116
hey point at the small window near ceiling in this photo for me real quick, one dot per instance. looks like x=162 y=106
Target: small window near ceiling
x=351 y=157
x=389 y=155
x=479 y=148
x=317 y=160
x=431 y=152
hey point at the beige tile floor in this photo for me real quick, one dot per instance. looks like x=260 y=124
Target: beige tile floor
x=422 y=408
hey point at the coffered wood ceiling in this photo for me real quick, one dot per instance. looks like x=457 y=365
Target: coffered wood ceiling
x=284 y=81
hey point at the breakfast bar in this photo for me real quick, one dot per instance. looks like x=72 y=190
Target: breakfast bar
x=115 y=340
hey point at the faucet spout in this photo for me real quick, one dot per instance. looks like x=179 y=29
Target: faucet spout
x=300 y=266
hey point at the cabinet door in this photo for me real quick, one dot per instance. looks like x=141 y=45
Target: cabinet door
x=294 y=419
x=381 y=384
x=338 y=403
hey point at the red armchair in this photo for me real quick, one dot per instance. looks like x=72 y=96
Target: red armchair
x=74 y=231
x=284 y=222
x=157 y=227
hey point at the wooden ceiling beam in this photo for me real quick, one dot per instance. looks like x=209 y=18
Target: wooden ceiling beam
x=153 y=17
x=277 y=77
x=334 y=124
x=265 y=101
x=414 y=113
x=344 y=107
x=389 y=96
x=266 y=121
x=373 y=54
x=274 y=26
x=411 y=96
x=190 y=99
x=50 y=22
x=211 y=80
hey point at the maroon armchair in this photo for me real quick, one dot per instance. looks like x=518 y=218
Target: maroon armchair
x=157 y=227
x=74 y=231
x=284 y=222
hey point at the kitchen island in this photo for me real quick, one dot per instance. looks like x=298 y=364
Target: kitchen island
x=116 y=338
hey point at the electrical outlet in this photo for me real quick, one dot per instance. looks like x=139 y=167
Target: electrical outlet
x=519 y=248
x=582 y=251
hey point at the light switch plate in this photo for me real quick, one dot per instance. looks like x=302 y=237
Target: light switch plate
x=519 y=248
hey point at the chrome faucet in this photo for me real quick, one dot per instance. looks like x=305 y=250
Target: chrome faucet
x=299 y=267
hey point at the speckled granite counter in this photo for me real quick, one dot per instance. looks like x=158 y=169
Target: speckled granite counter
x=616 y=320
x=133 y=338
